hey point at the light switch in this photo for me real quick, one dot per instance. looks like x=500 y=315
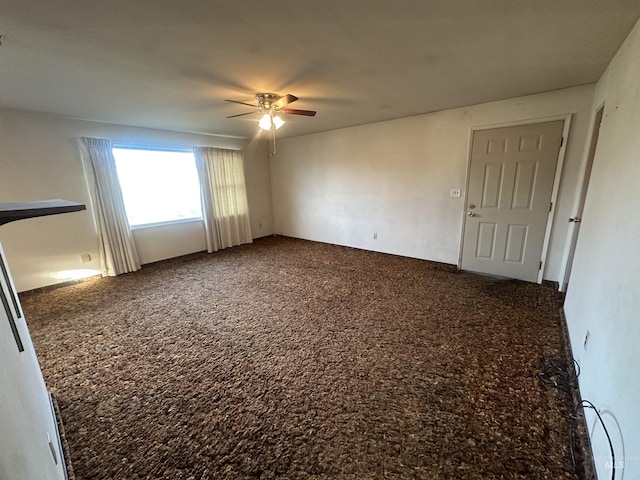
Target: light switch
x=455 y=193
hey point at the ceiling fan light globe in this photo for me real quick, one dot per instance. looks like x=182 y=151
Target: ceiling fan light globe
x=265 y=122
x=278 y=122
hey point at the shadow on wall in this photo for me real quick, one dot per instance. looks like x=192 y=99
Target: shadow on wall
x=615 y=462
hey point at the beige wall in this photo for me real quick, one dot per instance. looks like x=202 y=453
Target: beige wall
x=603 y=296
x=393 y=178
x=39 y=160
x=258 y=178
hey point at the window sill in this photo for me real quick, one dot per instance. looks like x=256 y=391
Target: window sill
x=167 y=223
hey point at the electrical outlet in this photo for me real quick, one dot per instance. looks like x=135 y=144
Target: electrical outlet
x=85 y=257
x=586 y=339
x=455 y=193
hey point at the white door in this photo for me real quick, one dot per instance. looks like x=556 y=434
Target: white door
x=577 y=219
x=509 y=199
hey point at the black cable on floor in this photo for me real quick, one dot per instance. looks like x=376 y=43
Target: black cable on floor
x=554 y=372
x=574 y=423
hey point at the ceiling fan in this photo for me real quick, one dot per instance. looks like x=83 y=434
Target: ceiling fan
x=270 y=105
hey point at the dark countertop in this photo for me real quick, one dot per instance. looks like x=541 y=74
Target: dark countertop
x=12 y=211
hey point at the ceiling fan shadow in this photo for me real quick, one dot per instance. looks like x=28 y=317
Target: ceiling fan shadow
x=215 y=81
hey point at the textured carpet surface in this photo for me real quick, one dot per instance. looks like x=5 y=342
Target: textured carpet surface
x=292 y=359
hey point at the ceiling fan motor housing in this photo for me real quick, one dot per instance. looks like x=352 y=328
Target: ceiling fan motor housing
x=265 y=100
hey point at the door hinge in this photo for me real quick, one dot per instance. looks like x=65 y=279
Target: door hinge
x=561 y=141
x=550 y=206
x=540 y=267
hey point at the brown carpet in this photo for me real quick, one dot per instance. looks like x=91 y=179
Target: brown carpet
x=293 y=359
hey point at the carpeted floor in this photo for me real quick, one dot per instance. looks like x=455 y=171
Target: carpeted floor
x=297 y=360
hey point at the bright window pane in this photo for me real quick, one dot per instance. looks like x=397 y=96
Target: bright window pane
x=158 y=186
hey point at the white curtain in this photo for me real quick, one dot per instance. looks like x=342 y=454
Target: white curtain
x=117 y=251
x=224 y=197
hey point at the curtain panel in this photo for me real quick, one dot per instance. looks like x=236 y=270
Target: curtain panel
x=225 y=209
x=117 y=250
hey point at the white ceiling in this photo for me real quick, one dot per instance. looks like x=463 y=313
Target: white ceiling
x=171 y=64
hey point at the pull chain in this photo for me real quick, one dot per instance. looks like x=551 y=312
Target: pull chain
x=273 y=139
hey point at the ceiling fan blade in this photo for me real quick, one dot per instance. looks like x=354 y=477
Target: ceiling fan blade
x=293 y=111
x=242 y=103
x=241 y=114
x=285 y=100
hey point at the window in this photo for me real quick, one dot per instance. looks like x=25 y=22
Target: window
x=158 y=186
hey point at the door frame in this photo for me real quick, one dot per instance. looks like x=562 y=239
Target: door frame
x=556 y=180
x=578 y=204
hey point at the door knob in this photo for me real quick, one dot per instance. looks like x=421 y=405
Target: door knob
x=471 y=214
x=575 y=219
